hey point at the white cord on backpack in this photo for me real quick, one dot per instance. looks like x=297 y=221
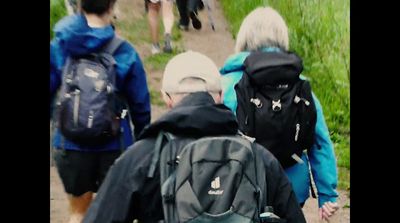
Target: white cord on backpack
x=297 y=158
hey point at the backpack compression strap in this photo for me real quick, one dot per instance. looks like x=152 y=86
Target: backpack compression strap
x=262 y=190
x=157 y=151
x=109 y=48
x=113 y=45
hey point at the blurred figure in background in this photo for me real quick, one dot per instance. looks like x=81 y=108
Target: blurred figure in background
x=188 y=11
x=153 y=11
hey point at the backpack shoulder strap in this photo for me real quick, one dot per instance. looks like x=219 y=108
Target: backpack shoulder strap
x=67 y=65
x=157 y=151
x=113 y=45
x=168 y=164
x=259 y=176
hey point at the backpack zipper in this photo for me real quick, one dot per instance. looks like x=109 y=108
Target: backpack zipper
x=257 y=102
x=297 y=99
x=76 y=106
x=90 y=119
x=296 y=136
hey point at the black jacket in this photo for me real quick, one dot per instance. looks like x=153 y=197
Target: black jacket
x=127 y=194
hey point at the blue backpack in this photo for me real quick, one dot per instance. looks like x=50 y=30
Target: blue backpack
x=89 y=110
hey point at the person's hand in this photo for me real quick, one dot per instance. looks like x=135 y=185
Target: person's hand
x=327 y=210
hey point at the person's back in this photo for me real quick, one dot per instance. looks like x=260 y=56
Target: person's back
x=133 y=190
x=80 y=39
x=262 y=56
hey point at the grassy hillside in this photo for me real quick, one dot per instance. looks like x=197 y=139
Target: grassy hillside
x=57 y=11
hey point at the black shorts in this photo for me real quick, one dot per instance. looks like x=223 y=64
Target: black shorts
x=81 y=172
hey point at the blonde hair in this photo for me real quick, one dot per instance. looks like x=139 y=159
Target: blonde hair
x=262 y=27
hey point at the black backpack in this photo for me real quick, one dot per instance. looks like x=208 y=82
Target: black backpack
x=211 y=179
x=89 y=109
x=275 y=106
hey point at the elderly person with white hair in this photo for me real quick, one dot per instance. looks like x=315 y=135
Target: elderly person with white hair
x=264 y=30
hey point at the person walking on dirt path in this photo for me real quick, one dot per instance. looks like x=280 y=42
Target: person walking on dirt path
x=191 y=89
x=153 y=11
x=83 y=166
x=188 y=9
x=265 y=30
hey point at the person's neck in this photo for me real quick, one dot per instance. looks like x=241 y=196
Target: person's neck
x=96 y=21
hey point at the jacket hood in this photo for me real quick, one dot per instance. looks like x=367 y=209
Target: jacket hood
x=235 y=61
x=273 y=68
x=196 y=115
x=77 y=38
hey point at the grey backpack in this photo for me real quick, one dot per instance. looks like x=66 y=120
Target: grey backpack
x=211 y=179
x=89 y=111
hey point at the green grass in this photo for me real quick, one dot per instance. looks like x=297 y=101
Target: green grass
x=158 y=61
x=156 y=97
x=137 y=31
x=319 y=33
x=57 y=11
x=344 y=178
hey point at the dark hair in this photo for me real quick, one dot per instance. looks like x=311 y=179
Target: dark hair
x=98 y=7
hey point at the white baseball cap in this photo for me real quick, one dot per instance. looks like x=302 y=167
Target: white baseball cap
x=183 y=68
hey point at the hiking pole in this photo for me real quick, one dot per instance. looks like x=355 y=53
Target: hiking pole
x=210 y=18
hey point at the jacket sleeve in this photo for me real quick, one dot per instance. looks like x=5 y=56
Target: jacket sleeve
x=280 y=194
x=322 y=160
x=56 y=64
x=137 y=93
x=228 y=83
x=119 y=192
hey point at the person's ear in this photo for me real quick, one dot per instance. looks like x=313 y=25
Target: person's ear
x=110 y=12
x=218 y=97
x=167 y=99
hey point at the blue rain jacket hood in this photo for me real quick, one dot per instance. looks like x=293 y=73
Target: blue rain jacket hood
x=78 y=38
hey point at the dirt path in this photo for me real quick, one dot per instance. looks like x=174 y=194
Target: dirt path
x=218 y=45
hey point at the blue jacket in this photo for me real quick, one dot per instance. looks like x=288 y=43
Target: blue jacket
x=73 y=36
x=320 y=158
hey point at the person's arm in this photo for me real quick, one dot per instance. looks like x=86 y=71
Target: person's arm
x=323 y=161
x=280 y=194
x=120 y=189
x=137 y=94
x=57 y=59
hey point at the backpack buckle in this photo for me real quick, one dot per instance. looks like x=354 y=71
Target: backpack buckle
x=256 y=102
x=297 y=99
x=276 y=105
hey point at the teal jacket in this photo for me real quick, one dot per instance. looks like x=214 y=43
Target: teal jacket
x=320 y=158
